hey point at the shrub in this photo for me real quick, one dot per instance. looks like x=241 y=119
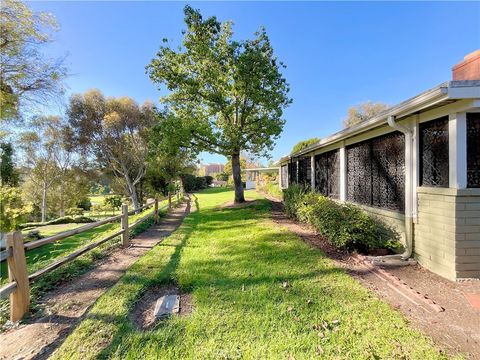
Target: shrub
x=61 y=220
x=200 y=183
x=344 y=225
x=85 y=204
x=74 y=211
x=208 y=180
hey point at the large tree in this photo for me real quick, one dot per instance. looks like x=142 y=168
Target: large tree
x=26 y=75
x=363 y=112
x=47 y=154
x=228 y=95
x=114 y=131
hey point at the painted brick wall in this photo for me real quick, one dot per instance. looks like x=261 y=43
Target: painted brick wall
x=447 y=233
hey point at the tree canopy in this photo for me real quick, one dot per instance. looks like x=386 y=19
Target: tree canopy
x=27 y=76
x=362 y=112
x=227 y=95
x=114 y=130
x=304 y=144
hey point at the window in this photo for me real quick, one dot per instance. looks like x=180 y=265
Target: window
x=376 y=172
x=327 y=174
x=292 y=172
x=473 y=150
x=304 y=171
x=284 y=176
x=434 y=153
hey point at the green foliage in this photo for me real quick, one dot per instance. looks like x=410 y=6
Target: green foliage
x=227 y=95
x=60 y=220
x=194 y=183
x=221 y=176
x=113 y=201
x=13 y=210
x=85 y=203
x=8 y=174
x=27 y=76
x=304 y=144
x=363 y=112
x=76 y=211
x=208 y=180
x=344 y=225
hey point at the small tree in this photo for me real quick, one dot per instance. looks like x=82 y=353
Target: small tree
x=363 y=112
x=8 y=174
x=13 y=210
x=304 y=144
x=114 y=202
x=228 y=95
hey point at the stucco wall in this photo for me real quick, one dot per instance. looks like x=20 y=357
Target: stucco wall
x=447 y=233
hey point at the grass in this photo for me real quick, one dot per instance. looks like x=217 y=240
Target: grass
x=40 y=257
x=235 y=263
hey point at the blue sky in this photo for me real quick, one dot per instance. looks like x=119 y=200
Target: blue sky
x=337 y=53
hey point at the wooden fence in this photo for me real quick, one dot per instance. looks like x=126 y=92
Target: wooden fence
x=19 y=286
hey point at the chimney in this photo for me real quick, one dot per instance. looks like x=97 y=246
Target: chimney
x=469 y=68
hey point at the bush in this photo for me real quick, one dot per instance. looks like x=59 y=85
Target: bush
x=61 y=220
x=85 y=204
x=208 y=180
x=344 y=225
x=74 y=211
x=200 y=183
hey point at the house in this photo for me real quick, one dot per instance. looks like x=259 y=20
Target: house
x=415 y=166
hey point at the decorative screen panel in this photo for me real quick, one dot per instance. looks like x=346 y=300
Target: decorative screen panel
x=376 y=172
x=327 y=174
x=304 y=171
x=388 y=171
x=473 y=150
x=292 y=172
x=434 y=153
x=284 y=176
x=359 y=173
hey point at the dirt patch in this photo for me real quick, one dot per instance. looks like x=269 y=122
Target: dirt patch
x=456 y=329
x=66 y=305
x=232 y=205
x=142 y=315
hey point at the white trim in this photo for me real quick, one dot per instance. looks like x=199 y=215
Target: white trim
x=343 y=174
x=457 y=150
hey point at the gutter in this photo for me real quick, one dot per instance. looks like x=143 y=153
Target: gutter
x=409 y=184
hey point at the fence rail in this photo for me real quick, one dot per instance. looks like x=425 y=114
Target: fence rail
x=19 y=286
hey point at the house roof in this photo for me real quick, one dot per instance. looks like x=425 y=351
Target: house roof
x=440 y=95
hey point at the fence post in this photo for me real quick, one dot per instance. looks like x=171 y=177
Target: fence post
x=17 y=271
x=125 y=240
x=155 y=215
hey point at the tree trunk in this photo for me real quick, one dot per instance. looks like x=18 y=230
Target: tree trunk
x=62 y=200
x=133 y=193
x=169 y=199
x=237 y=179
x=44 y=202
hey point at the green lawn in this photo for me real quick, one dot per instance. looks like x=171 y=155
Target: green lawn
x=234 y=262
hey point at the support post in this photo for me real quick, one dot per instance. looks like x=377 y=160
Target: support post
x=17 y=271
x=155 y=215
x=125 y=240
x=457 y=152
x=343 y=174
x=312 y=171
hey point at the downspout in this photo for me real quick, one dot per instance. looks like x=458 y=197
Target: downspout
x=409 y=183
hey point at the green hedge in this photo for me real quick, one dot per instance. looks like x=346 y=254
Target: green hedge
x=61 y=220
x=345 y=226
